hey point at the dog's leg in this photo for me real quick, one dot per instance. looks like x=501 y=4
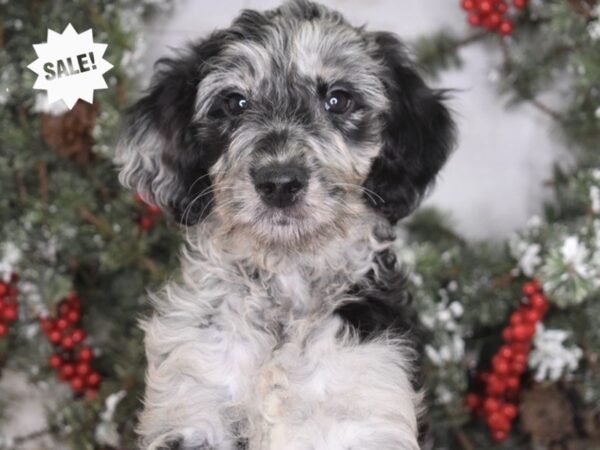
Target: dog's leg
x=332 y=392
x=196 y=377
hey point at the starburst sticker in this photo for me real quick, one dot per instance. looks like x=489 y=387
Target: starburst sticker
x=70 y=66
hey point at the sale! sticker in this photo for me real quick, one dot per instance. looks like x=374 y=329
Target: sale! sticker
x=70 y=66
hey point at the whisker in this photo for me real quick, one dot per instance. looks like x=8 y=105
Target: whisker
x=363 y=189
x=201 y=178
x=205 y=192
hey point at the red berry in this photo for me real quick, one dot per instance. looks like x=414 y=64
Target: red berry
x=499 y=436
x=3 y=329
x=506 y=27
x=83 y=368
x=532 y=316
x=495 y=19
x=507 y=334
x=3 y=289
x=485 y=6
x=487 y=23
x=10 y=313
x=474 y=20
x=519 y=4
x=520 y=358
x=54 y=336
x=513 y=383
x=506 y=352
x=77 y=383
x=523 y=332
x=153 y=210
x=46 y=325
x=85 y=354
x=66 y=371
x=529 y=330
x=538 y=302
x=519 y=333
x=501 y=366
x=73 y=316
x=510 y=410
x=78 y=335
x=520 y=347
x=468 y=5
x=502 y=7
x=498 y=422
x=146 y=222
x=93 y=379
x=495 y=385
x=67 y=342
x=491 y=405
x=531 y=288
x=55 y=361
x=62 y=324
x=516 y=318
x=517 y=368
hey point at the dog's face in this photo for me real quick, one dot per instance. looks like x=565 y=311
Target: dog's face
x=285 y=126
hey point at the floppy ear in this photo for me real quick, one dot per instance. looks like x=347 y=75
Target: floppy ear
x=418 y=135
x=160 y=153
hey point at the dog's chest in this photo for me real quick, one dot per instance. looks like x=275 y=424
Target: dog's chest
x=293 y=292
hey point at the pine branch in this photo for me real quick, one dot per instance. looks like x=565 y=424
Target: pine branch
x=103 y=227
x=584 y=7
x=21 y=186
x=20 y=440
x=538 y=104
x=43 y=179
x=464 y=440
x=545 y=109
x=441 y=51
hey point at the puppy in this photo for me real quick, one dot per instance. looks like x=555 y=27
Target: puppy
x=288 y=145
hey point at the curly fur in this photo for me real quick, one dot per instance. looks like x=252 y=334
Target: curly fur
x=288 y=328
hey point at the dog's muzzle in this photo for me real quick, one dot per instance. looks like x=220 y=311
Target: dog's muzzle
x=280 y=186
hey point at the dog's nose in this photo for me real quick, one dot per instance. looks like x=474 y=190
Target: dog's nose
x=280 y=186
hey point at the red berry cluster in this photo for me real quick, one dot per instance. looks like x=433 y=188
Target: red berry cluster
x=491 y=14
x=147 y=217
x=72 y=360
x=9 y=307
x=498 y=404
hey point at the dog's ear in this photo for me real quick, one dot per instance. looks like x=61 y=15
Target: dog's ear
x=418 y=134
x=160 y=153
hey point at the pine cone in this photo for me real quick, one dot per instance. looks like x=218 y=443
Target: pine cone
x=70 y=134
x=547 y=415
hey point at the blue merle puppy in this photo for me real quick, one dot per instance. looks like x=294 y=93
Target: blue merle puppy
x=287 y=145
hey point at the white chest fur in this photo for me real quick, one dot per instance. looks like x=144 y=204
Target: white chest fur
x=238 y=353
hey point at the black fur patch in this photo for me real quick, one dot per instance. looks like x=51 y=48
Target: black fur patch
x=418 y=137
x=385 y=307
x=168 y=110
x=384 y=304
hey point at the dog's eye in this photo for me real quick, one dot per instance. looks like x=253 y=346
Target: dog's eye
x=338 y=102
x=236 y=104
